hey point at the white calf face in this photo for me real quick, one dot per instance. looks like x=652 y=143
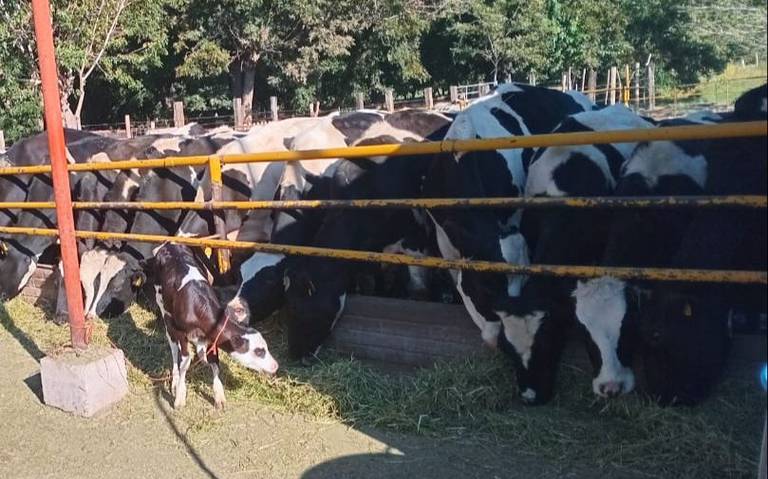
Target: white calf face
x=601 y=306
x=253 y=353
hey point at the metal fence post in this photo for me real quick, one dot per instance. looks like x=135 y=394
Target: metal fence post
x=222 y=255
x=61 y=190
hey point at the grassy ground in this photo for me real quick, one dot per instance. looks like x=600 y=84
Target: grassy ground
x=461 y=400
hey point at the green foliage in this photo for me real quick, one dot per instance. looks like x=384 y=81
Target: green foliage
x=137 y=56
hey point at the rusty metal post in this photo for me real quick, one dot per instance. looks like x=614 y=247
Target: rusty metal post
x=61 y=191
x=222 y=255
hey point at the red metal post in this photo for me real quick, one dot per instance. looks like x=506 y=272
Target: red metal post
x=61 y=192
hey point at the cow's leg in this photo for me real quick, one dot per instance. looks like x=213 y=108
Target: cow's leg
x=218 y=387
x=61 y=316
x=181 y=388
x=175 y=361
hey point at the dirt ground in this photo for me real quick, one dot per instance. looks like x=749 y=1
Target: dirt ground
x=144 y=437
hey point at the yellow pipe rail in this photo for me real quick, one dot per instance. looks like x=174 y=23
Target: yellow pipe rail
x=744 y=201
x=670 y=133
x=654 y=274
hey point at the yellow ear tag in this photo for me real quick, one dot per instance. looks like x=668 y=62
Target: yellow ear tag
x=3 y=249
x=687 y=311
x=208 y=252
x=138 y=281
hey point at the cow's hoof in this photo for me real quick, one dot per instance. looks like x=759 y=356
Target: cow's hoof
x=60 y=319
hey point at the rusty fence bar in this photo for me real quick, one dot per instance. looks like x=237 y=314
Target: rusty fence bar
x=597 y=202
x=654 y=274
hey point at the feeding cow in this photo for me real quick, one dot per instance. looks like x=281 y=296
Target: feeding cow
x=316 y=288
x=681 y=327
x=572 y=236
x=494 y=235
x=191 y=312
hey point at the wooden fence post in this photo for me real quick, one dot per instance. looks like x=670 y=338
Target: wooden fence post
x=428 y=100
x=359 y=101
x=614 y=76
x=128 y=126
x=273 y=107
x=237 y=109
x=454 y=93
x=389 y=100
x=2 y=141
x=637 y=85
x=178 y=114
x=592 y=85
x=651 y=81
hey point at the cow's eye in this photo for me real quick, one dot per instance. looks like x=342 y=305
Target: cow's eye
x=259 y=352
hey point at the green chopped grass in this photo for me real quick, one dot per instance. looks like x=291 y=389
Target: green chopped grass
x=463 y=399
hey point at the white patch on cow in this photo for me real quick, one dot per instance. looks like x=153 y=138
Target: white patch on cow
x=180 y=399
x=251 y=360
x=600 y=306
x=201 y=347
x=489 y=330
x=169 y=143
x=528 y=395
x=174 y=359
x=663 y=158
x=218 y=387
x=160 y=303
x=31 y=268
x=193 y=274
x=514 y=250
x=257 y=262
x=764 y=105
x=447 y=249
x=342 y=302
x=92 y=264
x=521 y=332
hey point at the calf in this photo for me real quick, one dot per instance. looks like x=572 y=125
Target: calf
x=192 y=313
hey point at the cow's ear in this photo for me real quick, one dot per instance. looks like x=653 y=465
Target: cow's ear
x=3 y=249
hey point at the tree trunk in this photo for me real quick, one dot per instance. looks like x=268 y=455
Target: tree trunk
x=249 y=78
x=236 y=76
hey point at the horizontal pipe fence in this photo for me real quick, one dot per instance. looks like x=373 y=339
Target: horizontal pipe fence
x=215 y=162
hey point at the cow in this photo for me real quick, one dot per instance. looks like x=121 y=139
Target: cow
x=261 y=284
x=571 y=236
x=675 y=323
x=316 y=288
x=494 y=235
x=191 y=312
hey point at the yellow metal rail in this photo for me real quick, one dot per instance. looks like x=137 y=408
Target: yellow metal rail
x=655 y=274
x=693 y=132
x=648 y=202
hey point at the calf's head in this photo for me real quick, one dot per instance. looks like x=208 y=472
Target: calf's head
x=248 y=347
x=16 y=267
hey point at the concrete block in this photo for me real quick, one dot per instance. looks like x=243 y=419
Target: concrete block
x=84 y=383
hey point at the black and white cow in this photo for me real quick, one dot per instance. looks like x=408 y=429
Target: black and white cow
x=316 y=288
x=191 y=312
x=572 y=236
x=261 y=287
x=494 y=235
x=682 y=347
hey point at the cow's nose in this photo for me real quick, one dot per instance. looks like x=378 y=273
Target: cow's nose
x=610 y=389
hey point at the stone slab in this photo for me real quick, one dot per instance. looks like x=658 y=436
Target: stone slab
x=84 y=383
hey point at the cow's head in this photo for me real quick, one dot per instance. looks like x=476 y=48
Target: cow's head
x=261 y=288
x=16 y=267
x=315 y=300
x=110 y=281
x=685 y=340
x=608 y=318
